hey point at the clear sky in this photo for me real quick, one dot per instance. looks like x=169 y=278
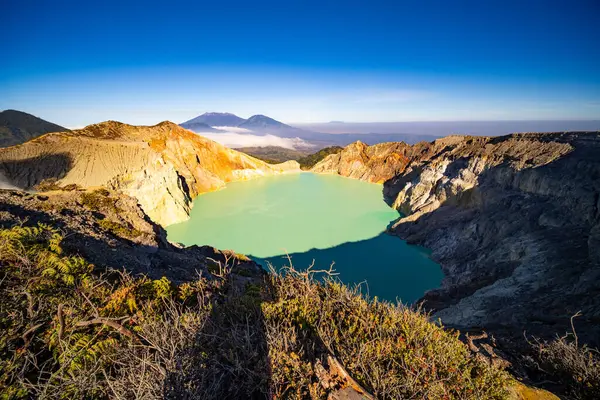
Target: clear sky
x=76 y=63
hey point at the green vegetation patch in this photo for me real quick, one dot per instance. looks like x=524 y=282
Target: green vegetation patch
x=311 y=160
x=99 y=200
x=68 y=332
x=118 y=229
x=273 y=154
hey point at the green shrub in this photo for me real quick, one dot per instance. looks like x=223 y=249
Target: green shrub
x=99 y=200
x=392 y=351
x=70 y=333
x=118 y=229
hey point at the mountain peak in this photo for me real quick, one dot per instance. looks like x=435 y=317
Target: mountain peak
x=214 y=119
x=262 y=121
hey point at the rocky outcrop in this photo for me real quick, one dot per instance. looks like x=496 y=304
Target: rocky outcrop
x=376 y=163
x=514 y=222
x=110 y=230
x=163 y=166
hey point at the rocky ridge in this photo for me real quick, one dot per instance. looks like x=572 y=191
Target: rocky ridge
x=163 y=166
x=512 y=220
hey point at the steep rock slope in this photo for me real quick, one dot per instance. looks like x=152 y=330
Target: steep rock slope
x=512 y=220
x=163 y=166
x=376 y=163
x=17 y=127
x=110 y=230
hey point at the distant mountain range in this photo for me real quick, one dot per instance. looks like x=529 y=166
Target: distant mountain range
x=263 y=125
x=258 y=124
x=263 y=122
x=17 y=127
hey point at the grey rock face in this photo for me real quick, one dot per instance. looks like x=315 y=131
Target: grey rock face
x=513 y=221
x=517 y=238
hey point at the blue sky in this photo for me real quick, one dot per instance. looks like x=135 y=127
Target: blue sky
x=76 y=63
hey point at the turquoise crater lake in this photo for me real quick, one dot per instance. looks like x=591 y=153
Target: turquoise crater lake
x=325 y=218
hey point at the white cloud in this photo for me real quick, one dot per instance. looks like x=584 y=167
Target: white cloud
x=236 y=140
x=232 y=129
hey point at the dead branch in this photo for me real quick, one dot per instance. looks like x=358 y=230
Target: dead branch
x=335 y=365
x=111 y=323
x=61 y=321
x=31 y=330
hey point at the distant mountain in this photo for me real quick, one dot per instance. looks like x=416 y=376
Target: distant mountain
x=215 y=119
x=257 y=122
x=17 y=127
x=263 y=125
x=198 y=127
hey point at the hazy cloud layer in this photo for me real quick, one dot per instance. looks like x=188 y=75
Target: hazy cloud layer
x=236 y=140
x=234 y=129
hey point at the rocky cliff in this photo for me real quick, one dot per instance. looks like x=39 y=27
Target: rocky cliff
x=514 y=222
x=163 y=166
x=376 y=163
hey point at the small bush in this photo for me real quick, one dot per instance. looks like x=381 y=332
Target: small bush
x=117 y=229
x=71 y=187
x=47 y=185
x=99 y=200
x=576 y=367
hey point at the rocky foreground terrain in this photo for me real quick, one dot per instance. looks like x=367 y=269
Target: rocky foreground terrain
x=163 y=166
x=514 y=222
x=110 y=230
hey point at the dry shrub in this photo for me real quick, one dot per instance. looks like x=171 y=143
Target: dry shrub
x=576 y=367
x=143 y=369
x=391 y=350
x=70 y=333
x=228 y=359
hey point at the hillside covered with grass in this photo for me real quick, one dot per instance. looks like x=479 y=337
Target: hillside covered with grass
x=72 y=331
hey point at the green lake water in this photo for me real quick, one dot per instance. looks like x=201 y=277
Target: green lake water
x=325 y=218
